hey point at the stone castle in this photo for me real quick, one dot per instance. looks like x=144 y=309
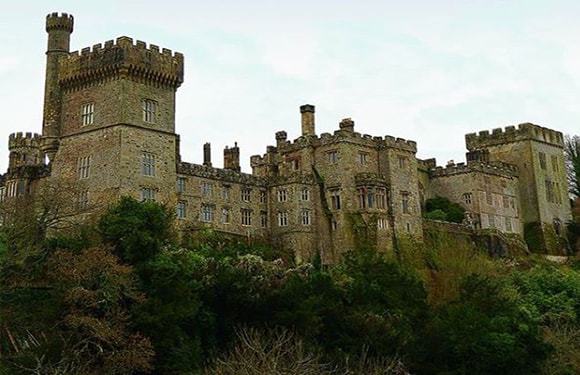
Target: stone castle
x=109 y=130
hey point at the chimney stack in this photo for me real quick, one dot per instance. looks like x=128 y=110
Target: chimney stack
x=307 y=111
x=207 y=154
x=232 y=158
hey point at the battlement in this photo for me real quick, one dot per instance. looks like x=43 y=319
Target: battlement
x=226 y=175
x=64 y=21
x=123 y=56
x=510 y=134
x=18 y=140
x=496 y=168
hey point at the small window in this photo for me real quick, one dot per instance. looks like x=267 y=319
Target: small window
x=225 y=215
x=362 y=158
x=382 y=223
x=468 y=198
x=305 y=194
x=87 y=114
x=506 y=201
x=491 y=219
x=262 y=196
x=206 y=189
x=403 y=161
x=83 y=200
x=181 y=182
x=207 y=213
x=555 y=163
x=84 y=167
x=226 y=192
x=306 y=217
x=246 y=217
x=332 y=157
x=405 y=202
x=147 y=194
x=335 y=199
x=282 y=195
x=181 y=210
x=148 y=164
x=282 y=218
x=149 y=110
x=263 y=219
x=489 y=198
x=542 y=157
x=508 y=224
x=381 y=198
x=246 y=193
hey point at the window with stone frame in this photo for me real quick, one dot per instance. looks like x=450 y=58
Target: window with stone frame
x=305 y=194
x=83 y=200
x=555 y=163
x=181 y=213
x=282 y=218
x=147 y=194
x=263 y=219
x=206 y=188
x=362 y=157
x=87 y=114
x=403 y=161
x=246 y=194
x=366 y=197
x=335 y=203
x=382 y=223
x=306 y=217
x=207 y=212
x=381 y=198
x=332 y=156
x=84 y=167
x=181 y=184
x=148 y=164
x=226 y=192
x=508 y=224
x=468 y=198
x=262 y=196
x=225 y=219
x=246 y=216
x=282 y=195
x=405 y=196
x=542 y=158
x=149 y=110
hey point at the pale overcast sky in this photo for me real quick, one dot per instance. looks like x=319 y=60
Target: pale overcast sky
x=426 y=70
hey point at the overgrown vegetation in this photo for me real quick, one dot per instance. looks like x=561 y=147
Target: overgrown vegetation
x=443 y=209
x=124 y=296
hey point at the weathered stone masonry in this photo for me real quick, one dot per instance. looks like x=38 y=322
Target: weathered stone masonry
x=109 y=129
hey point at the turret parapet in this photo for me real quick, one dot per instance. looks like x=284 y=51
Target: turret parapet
x=496 y=167
x=401 y=144
x=427 y=163
x=64 y=21
x=123 y=57
x=18 y=140
x=525 y=131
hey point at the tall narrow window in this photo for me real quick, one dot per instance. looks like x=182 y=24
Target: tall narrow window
x=181 y=181
x=84 y=167
x=263 y=219
x=206 y=189
x=149 y=110
x=148 y=164
x=87 y=114
x=225 y=215
x=83 y=200
x=332 y=157
x=282 y=218
x=362 y=158
x=555 y=163
x=306 y=217
x=246 y=216
x=305 y=194
x=405 y=202
x=335 y=199
x=381 y=198
x=226 y=192
x=246 y=192
x=282 y=195
x=403 y=161
x=181 y=210
x=262 y=196
x=542 y=157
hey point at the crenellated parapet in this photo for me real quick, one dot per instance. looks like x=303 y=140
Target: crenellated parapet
x=495 y=168
x=55 y=21
x=226 y=175
x=510 y=134
x=426 y=164
x=124 y=58
x=23 y=140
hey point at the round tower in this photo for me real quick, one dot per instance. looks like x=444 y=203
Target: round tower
x=24 y=150
x=59 y=28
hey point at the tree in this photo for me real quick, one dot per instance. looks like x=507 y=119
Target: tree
x=453 y=211
x=572 y=155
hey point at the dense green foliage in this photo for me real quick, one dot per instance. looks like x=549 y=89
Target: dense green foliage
x=440 y=208
x=134 y=301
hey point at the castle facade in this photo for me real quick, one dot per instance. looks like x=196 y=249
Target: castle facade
x=109 y=130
